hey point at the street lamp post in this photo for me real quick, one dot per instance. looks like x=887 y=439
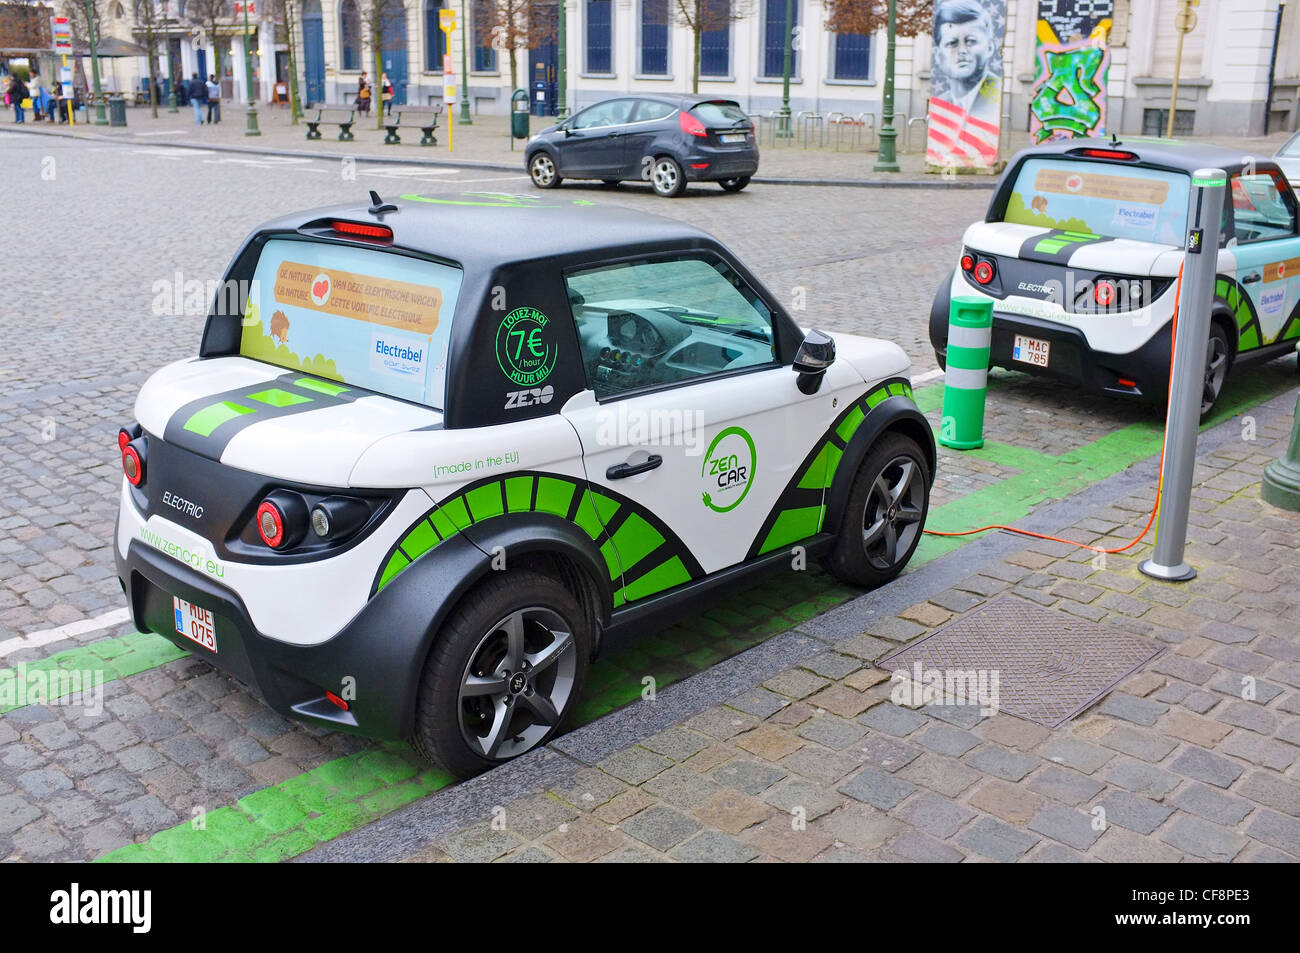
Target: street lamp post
x=171 y=80
x=886 y=158
x=783 y=128
x=100 y=118
x=250 y=124
x=465 y=118
x=561 y=61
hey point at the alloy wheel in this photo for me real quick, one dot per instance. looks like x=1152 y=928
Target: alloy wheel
x=892 y=519
x=1216 y=368
x=664 y=177
x=543 y=170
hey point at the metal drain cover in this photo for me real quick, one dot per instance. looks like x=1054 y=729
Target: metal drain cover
x=1049 y=665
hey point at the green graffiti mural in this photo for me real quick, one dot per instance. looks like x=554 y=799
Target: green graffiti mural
x=1073 y=60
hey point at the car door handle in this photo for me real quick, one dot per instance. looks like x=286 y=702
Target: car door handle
x=1250 y=279
x=620 y=470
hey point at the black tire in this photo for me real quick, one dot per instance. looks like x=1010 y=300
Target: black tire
x=667 y=177
x=543 y=171
x=472 y=649
x=1218 y=360
x=877 y=536
x=734 y=185
x=941 y=358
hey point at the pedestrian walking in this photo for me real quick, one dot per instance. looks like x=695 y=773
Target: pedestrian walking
x=17 y=93
x=182 y=90
x=363 y=95
x=198 y=93
x=387 y=89
x=214 y=99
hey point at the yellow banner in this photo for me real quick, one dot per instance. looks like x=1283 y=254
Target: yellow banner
x=393 y=304
x=1117 y=188
x=1282 y=270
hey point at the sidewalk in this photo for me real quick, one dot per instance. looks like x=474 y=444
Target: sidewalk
x=486 y=144
x=794 y=750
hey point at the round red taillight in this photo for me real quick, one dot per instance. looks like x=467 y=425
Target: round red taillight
x=967 y=262
x=123 y=438
x=1103 y=292
x=270 y=524
x=132 y=465
x=983 y=272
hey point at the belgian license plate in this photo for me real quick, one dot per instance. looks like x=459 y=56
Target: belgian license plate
x=195 y=623
x=733 y=137
x=1030 y=350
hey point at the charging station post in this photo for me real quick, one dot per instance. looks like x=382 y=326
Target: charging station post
x=1187 y=376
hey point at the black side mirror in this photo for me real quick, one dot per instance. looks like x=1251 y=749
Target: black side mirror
x=567 y=130
x=816 y=353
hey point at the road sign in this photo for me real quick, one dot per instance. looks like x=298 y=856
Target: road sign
x=61 y=29
x=447 y=20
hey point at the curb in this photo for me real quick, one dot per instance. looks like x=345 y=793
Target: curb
x=419 y=825
x=958 y=182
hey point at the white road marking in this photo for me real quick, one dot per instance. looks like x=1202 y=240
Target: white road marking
x=403 y=171
x=81 y=627
x=163 y=132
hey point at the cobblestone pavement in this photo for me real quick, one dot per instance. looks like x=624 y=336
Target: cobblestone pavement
x=87 y=316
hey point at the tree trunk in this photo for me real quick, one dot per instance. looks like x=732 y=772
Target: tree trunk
x=153 y=79
x=514 y=69
x=377 y=88
x=695 y=75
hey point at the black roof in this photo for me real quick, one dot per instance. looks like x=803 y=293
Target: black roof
x=1170 y=153
x=484 y=230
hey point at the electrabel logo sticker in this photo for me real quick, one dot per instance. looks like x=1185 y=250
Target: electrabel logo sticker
x=728 y=470
x=398 y=354
x=526 y=347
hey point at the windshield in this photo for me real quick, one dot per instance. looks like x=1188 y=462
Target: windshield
x=361 y=316
x=1148 y=205
x=1291 y=149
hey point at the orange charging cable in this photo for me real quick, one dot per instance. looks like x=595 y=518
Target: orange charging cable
x=1160 y=477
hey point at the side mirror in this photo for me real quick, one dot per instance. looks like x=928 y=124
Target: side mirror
x=816 y=353
x=567 y=130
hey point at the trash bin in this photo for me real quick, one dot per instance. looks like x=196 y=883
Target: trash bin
x=117 y=111
x=519 y=114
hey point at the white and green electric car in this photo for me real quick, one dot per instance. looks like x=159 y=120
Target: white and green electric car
x=431 y=454
x=1080 y=253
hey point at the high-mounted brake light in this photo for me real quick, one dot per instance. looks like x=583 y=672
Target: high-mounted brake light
x=133 y=457
x=270 y=524
x=983 y=272
x=967 y=262
x=382 y=232
x=1119 y=154
x=691 y=126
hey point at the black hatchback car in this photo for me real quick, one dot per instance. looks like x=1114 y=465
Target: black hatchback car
x=667 y=141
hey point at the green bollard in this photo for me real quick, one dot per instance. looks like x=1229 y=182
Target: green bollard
x=970 y=335
x=1281 y=484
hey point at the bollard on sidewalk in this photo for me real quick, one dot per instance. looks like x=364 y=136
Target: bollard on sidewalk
x=1281 y=483
x=970 y=336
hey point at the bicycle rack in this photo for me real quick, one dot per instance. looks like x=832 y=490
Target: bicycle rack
x=806 y=118
x=911 y=122
x=867 y=123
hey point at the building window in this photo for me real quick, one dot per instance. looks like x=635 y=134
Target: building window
x=600 y=58
x=350 y=34
x=434 y=38
x=485 y=57
x=774 y=39
x=852 y=56
x=1155 y=122
x=715 y=44
x=654 y=37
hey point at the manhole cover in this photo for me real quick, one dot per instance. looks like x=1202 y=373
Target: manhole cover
x=1047 y=666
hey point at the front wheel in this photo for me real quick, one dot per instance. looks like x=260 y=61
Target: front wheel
x=734 y=185
x=1217 y=359
x=505 y=671
x=884 y=515
x=667 y=177
x=542 y=170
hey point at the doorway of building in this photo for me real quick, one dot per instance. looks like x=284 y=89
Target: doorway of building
x=313 y=51
x=394 y=53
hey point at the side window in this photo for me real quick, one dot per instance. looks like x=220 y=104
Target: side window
x=648 y=110
x=1260 y=209
x=612 y=113
x=663 y=321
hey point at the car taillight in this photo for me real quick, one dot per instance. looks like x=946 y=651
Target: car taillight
x=336 y=517
x=133 y=458
x=282 y=519
x=270 y=524
x=967 y=262
x=983 y=271
x=691 y=126
x=380 y=232
x=1103 y=292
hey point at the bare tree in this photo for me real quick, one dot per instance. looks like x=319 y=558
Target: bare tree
x=378 y=19
x=285 y=15
x=148 y=16
x=516 y=25
x=25 y=26
x=700 y=17
x=912 y=17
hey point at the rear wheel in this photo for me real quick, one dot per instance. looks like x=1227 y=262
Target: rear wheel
x=667 y=177
x=506 y=670
x=1218 y=356
x=734 y=185
x=884 y=515
x=542 y=170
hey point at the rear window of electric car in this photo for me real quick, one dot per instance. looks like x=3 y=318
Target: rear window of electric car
x=374 y=319
x=1114 y=201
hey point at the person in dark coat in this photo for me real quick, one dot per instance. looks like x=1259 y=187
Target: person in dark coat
x=17 y=93
x=198 y=94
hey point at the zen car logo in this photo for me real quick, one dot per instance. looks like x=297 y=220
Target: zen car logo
x=728 y=470
x=526 y=349
x=528 y=398
x=320 y=289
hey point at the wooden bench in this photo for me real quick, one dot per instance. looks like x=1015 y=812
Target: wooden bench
x=343 y=118
x=411 y=117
